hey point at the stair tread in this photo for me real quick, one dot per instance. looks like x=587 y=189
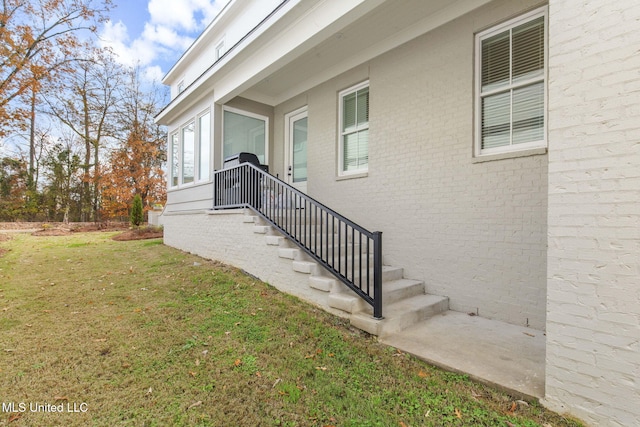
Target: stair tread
x=405 y=306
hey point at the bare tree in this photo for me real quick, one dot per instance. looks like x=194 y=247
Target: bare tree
x=86 y=102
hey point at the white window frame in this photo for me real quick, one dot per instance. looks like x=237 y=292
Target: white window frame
x=174 y=162
x=505 y=26
x=198 y=147
x=341 y=133
x=193 y=123
x=177 y=158
x=219 y=49
x=254 y=116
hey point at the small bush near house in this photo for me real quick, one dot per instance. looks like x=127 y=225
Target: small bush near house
x=137 y=213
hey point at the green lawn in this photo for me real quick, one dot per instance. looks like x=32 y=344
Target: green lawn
x=139 y=334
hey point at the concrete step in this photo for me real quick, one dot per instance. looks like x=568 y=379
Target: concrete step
x=322 y=283
x=262 y=229
x=308 y=267
x=275 y=240
x=400 y=315
x=290 y=253
x=392 y=291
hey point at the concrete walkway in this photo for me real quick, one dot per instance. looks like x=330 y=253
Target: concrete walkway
x=506 y=356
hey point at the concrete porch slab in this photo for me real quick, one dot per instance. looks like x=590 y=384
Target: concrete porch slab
x=503 y=355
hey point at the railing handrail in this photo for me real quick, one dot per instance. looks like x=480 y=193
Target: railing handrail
x=245 y=185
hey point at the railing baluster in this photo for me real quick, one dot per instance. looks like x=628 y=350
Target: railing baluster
x=306 y=222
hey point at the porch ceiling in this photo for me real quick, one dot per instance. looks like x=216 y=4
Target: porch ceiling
x=386 y=27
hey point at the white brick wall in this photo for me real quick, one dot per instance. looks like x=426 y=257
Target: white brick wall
x=225 y=237
x=475 y=232
x=593 y=321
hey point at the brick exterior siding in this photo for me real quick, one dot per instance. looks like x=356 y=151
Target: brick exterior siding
x=593 y=325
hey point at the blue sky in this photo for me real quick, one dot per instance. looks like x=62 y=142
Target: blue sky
x=154 y=33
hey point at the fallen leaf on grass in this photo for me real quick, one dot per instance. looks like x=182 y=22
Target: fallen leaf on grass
x=321 y=368
x=513 y=408
x=458 y=413
x=197 y=362
x=193 y=374
x=126 y=365
x=422 y=374
x=238 y=362
x=60 y=398
x=15 y=417
x=150 y=390
x=276 y=383
x=193 y=405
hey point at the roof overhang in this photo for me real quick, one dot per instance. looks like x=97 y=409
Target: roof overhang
x=307 y=42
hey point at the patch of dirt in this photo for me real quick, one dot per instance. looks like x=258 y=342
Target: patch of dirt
x=99 y=226
x=3 y=251
x=61 y=229
x=52 y=232
x=139 y=234
x=4 y=237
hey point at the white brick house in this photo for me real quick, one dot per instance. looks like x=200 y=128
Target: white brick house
x=495 y=143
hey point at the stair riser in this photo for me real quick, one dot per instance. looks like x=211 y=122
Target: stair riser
x=401 y=322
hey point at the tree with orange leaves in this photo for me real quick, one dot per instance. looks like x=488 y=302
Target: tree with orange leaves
x=135 y=166
x=38 y=39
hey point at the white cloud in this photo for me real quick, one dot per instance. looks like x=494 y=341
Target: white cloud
x=166 y=36
x=188 y=15
x=170 y=29
x=153 y=74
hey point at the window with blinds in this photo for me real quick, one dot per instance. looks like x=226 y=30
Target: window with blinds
x=511 y=85
x=354 y=128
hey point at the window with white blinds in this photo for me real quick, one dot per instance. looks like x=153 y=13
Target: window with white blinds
x=354 y=129
x=511 y=73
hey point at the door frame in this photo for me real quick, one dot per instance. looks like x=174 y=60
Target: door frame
x=289 y=120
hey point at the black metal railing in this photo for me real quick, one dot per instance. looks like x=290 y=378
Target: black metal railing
x=347 y=250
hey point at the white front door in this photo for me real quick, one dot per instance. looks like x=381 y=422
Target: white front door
x=296 y=151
